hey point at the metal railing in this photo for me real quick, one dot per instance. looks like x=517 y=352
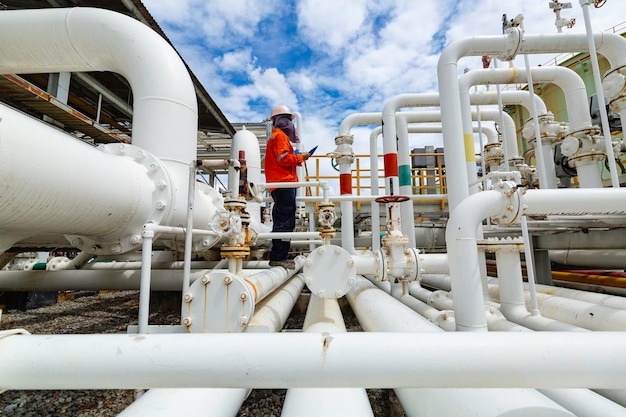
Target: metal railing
x=424 y=180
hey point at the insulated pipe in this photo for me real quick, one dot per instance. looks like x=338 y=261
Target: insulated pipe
x=85 y=39
x=594 y=317
x=190 y=402
x=458 y=359
x=102 y=279
x=568 y=310
x=271 y=314
x=373 y=308
x=610 y=45
x=584 y=402
x=592 y=258
x=465 y=271
x=479 y=402
x=108 y=194
x=442 y=300
x=324 y=316
x=265 y=282
x=591 y=297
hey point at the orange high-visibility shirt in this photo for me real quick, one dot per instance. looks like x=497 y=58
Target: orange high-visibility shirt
x=280 y=159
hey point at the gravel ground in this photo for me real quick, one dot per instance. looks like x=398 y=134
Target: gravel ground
x=112 y=313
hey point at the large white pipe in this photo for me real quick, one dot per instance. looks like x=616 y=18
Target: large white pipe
x=190 y=402
x=584 y=402
x=165 y=107
x=610 y=45
x=465 y=271
x=324 y=316
x=374 y=308
x=450 y=359
x=87 y=39
x=591 y=297
x=593 y=258
x=479 y=402
x=271 y=314
x=105 y=192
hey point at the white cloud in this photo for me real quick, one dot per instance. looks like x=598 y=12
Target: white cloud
x=234 y=61
x=331 y=23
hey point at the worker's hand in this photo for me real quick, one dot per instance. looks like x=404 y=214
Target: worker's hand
x=306 y=155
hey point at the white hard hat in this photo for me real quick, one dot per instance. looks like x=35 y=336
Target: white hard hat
x=281 y=109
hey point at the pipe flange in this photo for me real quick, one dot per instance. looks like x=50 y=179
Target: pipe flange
x=614 y=84
x=513 y=42
x=344 y=140
x=162 y=197
x=329 y=272
x=512 y=209
x=234 y=251
x=220 y=302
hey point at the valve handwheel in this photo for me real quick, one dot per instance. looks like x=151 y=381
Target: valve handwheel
x=392 y=199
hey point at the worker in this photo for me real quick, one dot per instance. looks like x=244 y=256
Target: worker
x=280 y=166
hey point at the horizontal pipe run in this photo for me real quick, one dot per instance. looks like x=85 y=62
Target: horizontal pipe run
x=458 y=359
x=288 y=235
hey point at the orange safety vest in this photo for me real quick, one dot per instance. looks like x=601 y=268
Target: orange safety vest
x=280 y=159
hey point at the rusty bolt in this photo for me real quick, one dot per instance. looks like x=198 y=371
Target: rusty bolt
x=187 y=321
x=227 y=280
x=243 y=320
x=188 y=297
x=206 y=279
x=243 y=296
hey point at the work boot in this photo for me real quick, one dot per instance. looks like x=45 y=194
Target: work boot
x=287 y=263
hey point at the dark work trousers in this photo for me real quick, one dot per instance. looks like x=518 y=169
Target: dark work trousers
x=284 y=217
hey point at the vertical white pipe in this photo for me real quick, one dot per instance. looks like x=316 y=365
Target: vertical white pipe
x=144 y=286
x=542 y=161
x=606 y=130
x=375 y=208
x=530 y=266
x=188 y=233
x=465 y=272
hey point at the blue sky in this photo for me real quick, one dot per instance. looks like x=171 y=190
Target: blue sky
x=329 y=58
